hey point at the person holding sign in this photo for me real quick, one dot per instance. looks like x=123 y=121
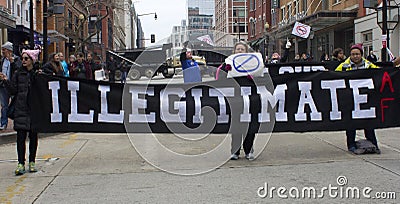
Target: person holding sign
x=236 y=143
x=276 y=58
x=240 y=47
x=354 y=62
x=190 y=68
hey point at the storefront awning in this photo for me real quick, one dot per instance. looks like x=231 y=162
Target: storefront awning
x=317 y=21
x=55 y=36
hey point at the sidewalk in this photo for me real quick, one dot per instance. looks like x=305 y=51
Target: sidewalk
x=106 y=168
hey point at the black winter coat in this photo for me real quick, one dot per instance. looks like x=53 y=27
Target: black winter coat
x=19 y=87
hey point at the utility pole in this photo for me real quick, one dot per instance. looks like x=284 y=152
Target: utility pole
x=45 y=45
x=385 y=43
x=31 y=28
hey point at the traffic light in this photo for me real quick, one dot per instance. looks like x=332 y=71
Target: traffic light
x=152 y=38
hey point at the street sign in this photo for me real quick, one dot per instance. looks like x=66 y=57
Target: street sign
x=384 y=41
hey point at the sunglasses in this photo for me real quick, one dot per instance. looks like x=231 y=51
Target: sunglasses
x=26 y=58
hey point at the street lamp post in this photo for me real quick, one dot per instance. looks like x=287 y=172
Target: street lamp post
x=45 y=45
x=81 y=18
x=138 y=37
x=387 y=19
x=31 y=35
x=266 y=39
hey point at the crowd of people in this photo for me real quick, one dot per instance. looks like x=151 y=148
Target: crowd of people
x=17 y=73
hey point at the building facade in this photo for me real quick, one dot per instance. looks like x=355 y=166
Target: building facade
x=101 y=29
x=231 y=21
x=17 y=32
x=119 y=25
x=200 y=14
x=332 y=25
x=179 y=35
x=368 y=32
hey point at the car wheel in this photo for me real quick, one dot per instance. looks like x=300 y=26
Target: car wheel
x=134 y=74
x=118 y=74
x=149 y=73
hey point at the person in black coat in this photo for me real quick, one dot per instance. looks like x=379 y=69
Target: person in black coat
x=337 y=58
x=123 y=66
x=53 y=66
x=372 y=57
x=19 y=87
x=111 y=67
x=92 y=64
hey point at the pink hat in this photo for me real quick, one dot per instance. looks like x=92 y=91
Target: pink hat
x=33 y=54
x=358 y=46
x=275 y=56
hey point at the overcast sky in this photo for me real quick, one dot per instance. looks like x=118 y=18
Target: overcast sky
x=169 y=13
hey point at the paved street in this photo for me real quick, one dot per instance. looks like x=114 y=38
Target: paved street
x=105 y=168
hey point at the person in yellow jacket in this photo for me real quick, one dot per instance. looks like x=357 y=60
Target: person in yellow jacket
x=354 y=62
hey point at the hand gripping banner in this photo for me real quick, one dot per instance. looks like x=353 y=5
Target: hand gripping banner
x=297 y=102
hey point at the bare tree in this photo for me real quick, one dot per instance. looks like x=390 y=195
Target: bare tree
x=75 y=28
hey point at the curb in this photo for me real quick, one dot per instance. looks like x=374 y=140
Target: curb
x=8 y=137
x=11 y=137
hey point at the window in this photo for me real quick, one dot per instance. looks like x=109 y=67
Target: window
x=18 y=10
x=283 y=13
x=252 y=5
x=367 y=36
x=367 y=42
x=69 y=19
x=26 y=15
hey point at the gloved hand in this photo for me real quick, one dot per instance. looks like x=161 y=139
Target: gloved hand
x=228 y=67
x=288 y=44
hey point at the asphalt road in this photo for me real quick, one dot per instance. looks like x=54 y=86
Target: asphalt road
x=106 y=168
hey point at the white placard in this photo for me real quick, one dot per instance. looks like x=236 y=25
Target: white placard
x=301 y=30
x=244 y=64
x=99 y=75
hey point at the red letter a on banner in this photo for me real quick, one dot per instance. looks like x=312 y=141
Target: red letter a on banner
x=386 y=79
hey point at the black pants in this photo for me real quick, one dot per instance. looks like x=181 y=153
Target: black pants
x=111 y=77
x=247 y=143
x=351 y=137
x=21 y=147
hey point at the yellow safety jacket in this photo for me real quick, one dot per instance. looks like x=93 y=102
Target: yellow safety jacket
x=346 y=65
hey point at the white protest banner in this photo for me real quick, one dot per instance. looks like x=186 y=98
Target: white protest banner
x=244 y=64
x=301 y=30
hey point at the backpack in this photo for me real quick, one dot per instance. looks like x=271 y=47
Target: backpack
x=365 y=147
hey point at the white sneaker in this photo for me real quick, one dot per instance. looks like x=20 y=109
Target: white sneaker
x=250 y=156
x=234 y=157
